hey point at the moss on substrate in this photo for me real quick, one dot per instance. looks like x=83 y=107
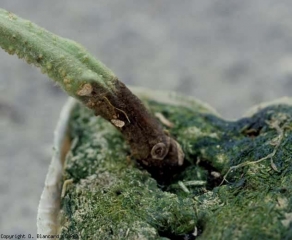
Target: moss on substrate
x=111 y=198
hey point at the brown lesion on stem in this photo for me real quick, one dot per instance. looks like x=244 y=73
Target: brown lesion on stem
x=149 y=143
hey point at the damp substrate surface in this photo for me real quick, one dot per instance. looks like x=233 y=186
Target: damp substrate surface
x=235 y=183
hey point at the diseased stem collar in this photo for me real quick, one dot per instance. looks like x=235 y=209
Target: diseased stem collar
x=88 y=80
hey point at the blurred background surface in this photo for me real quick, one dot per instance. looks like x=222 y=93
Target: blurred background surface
x=230 y=54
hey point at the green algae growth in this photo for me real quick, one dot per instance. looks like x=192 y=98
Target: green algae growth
x=235 y=184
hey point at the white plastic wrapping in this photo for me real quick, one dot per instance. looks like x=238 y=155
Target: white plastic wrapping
x=49 y=205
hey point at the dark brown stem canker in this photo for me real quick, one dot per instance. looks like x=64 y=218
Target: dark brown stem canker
x=85 y=78
x=150 y=145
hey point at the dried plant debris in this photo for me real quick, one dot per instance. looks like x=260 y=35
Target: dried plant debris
x=233 y=185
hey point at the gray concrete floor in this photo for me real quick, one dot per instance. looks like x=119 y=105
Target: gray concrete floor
x=231 y=54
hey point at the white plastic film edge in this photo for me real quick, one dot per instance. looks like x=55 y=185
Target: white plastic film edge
x=49 y=205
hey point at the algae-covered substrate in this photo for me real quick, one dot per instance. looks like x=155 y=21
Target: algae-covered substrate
x=236 y=182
